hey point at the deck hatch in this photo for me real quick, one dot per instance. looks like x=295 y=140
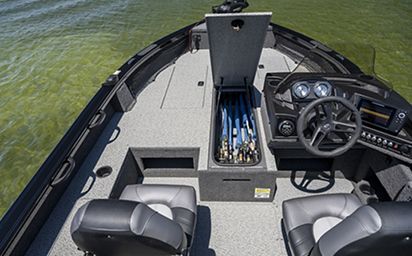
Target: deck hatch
x=235 y=53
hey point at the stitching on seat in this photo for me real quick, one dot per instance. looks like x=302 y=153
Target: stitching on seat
x=303 y=208
x=144 y=226
x=169 y=202
x=137 y=194
x=344 y=206
x=361 y=224
x=308 y=237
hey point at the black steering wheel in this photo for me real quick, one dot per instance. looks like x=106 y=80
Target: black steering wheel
x=330 y=117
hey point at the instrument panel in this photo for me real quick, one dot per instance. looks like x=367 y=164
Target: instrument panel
x=311 y=89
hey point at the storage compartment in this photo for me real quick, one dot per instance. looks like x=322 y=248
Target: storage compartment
x=168 y=163
x=230 y=179
x=305 y=164
x=237 y=168
x=235 y=132
x=154 y=162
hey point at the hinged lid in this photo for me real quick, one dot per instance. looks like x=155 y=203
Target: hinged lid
x=235 y=45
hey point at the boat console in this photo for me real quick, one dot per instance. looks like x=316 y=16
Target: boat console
x=385 y=115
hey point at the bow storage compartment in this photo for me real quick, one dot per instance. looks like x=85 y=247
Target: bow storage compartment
x=237 y=169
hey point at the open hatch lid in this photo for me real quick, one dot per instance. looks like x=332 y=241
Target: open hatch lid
x=235 y=45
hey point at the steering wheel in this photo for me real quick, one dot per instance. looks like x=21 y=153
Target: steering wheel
x=332 y=120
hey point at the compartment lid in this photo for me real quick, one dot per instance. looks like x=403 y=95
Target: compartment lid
x=235 y=44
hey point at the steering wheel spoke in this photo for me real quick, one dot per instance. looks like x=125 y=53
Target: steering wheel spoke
x=317 y=138
x=344 y=127
x=327 y=109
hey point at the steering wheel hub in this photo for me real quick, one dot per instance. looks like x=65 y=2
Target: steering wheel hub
x=326 y=127
x=335 y=117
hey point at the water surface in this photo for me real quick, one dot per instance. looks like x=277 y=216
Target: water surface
x=54 y=54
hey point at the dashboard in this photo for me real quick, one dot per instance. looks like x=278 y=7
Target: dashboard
x=311 y=89
x=386 y=121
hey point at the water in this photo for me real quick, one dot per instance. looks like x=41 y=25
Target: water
x=54 y=54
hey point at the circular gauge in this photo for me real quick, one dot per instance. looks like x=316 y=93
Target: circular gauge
x=301 y=90
x=322 y=89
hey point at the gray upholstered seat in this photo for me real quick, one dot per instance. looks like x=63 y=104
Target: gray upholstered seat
x=337 y=224
x=306 y=218
x=147 y=220
x=174 y=202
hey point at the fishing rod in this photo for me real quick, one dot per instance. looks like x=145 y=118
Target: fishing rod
x=223 y=148
x=237 y=152
x=230 y=141
x=238 y=134
x=253 y=141
x=244 y=130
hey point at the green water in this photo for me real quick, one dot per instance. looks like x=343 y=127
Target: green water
x=54 y=54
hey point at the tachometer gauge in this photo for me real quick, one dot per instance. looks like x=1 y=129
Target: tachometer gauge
x=322 y=89
x=301 y=90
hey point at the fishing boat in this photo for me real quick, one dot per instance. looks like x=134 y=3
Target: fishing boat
x=231 y=136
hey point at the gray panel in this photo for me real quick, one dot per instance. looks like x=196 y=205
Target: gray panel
x=394 y=179
x=235 y=53
x=184 y=83
x=124 y=100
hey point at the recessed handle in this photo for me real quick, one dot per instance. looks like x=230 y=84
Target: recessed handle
x=98 y=119
x=64 y=172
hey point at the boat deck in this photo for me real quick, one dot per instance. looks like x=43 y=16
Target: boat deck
x=173 y=111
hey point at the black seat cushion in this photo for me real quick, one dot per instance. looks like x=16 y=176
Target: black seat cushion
x=301 y=216
x=147 y=220
x=125 y=228
x=173 y=201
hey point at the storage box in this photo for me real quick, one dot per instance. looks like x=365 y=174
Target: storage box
x=236 y=42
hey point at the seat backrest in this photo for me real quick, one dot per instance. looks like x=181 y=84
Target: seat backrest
x=123 y=228
x=377 y=229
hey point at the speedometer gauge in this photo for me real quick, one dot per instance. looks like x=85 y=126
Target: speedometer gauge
x=301 y=90
x=322 y=89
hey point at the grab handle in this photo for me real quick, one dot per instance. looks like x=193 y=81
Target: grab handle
x=64 y=172
x=98 y=119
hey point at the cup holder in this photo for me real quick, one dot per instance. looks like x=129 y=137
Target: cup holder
x=365 y=192
x=104 y=171
x=366 y=189
x=274 y=83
